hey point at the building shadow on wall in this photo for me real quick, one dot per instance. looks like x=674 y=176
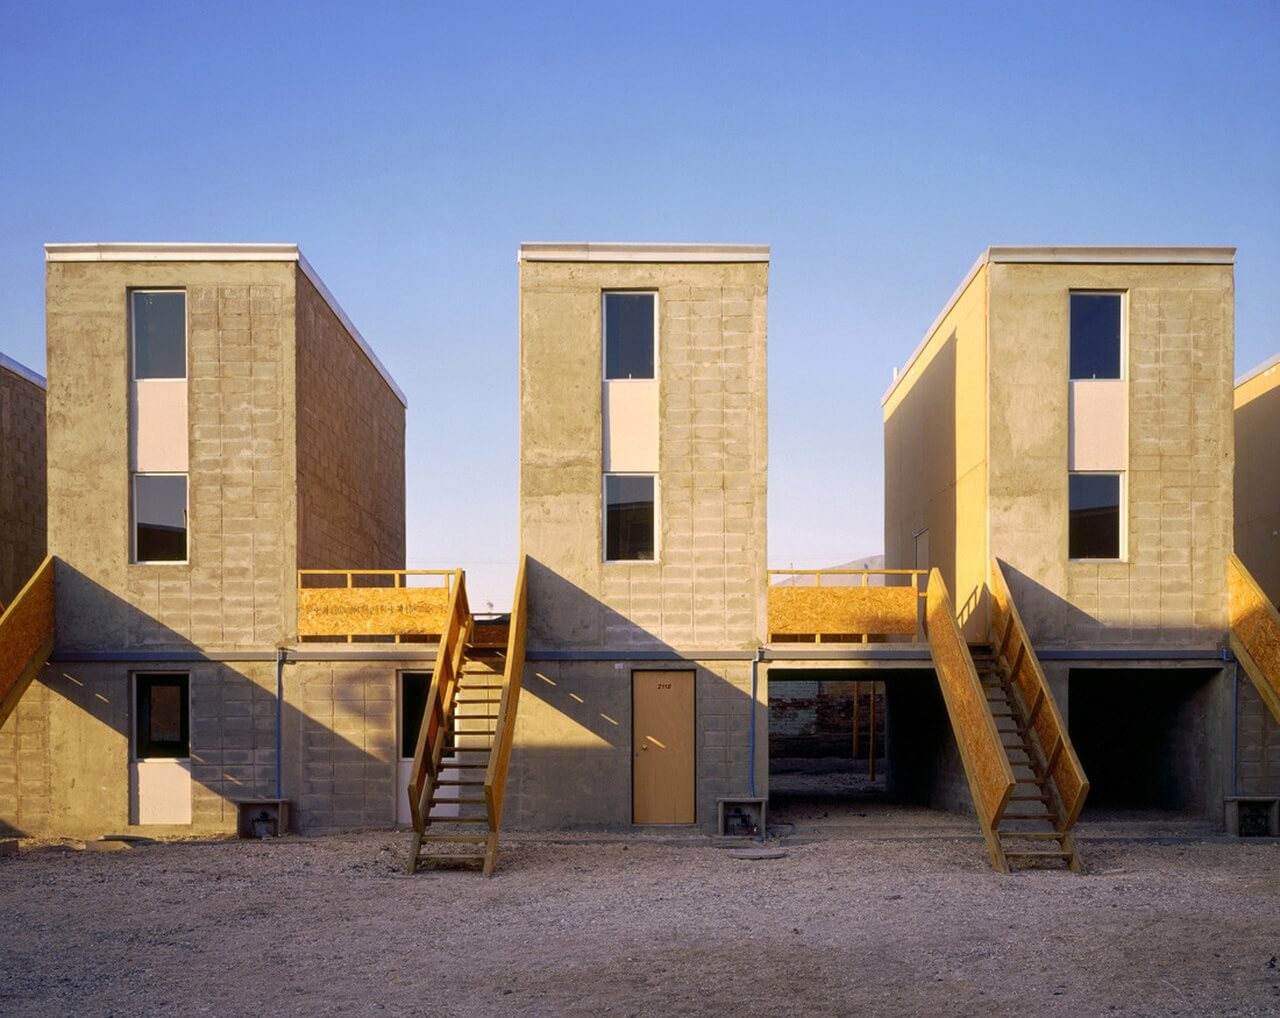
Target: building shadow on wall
x=334 y=776
x=572 y=762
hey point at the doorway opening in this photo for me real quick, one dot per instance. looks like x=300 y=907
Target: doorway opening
x=1146 y=738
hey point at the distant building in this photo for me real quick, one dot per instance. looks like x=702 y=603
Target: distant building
x=22 y=475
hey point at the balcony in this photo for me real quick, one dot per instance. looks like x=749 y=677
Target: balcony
x=376 y=605
x=844 y=606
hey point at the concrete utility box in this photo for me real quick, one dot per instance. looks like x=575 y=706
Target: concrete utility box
x=262 y=818
x=742 y=818
x=1253 y=816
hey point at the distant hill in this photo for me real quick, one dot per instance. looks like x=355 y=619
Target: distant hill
x=867 y=562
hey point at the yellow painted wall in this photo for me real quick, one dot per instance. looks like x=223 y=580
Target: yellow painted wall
x=935 y=455
x=1257 y=481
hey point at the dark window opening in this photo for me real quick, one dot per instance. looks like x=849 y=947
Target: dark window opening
x=160 y=517
x=629 y=517
x=413 y=705
x=159 y=334
x=628 y=335
x=1094 y=507
x=1095 y=335
x=162 y=717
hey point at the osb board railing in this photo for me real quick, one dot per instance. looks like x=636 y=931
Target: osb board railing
x=1255 y=633
x=842 y=605
x=986 y=764
x=1009 y=640
x=439 y=710
x=26 y=637
x=495 y=778
x=374 y=603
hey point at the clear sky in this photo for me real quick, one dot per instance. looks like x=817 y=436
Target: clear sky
x=409 y=148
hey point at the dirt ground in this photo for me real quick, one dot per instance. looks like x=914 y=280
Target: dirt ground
x=852 y=921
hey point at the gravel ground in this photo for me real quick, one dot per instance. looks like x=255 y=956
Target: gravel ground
x=641 y=925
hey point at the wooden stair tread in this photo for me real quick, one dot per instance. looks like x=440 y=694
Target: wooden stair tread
x=457 y=820
x=467 y=801
x=457 y=781
x=471 y=838
x=1037 y=855
x=1040 y=835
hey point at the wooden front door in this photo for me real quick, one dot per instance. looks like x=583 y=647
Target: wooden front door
x=662 y=747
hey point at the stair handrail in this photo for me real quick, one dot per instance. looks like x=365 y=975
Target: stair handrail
x=495 y=778
x=26 y=636
x=1254 y=632
x=440 y=702
x=1009 y=640
x=986 y=763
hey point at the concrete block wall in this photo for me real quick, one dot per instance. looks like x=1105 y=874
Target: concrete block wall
x=1258 y=743
x=237 y=590
x=350 y=430
x=1170 y=590
x=22 y=480
x=706 y=588
x=571 y=766
x=343 y=760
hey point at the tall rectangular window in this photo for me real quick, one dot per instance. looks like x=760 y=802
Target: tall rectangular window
x=1094 y=508
x=162 y=716
x=159 y=319
x=160 y=517
x=1097 y=335
x=629 y=520
x=158 y=424
x=630 y=335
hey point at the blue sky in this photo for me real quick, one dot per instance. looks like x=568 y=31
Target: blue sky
x=409 y=148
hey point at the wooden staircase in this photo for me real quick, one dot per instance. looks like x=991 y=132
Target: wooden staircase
x=1030 y=831
x=456 y=806
x=1024 y=777
x=458 y=783
x=26 y=637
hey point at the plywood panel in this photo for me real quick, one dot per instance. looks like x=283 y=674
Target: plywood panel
x=662 y=747
x=876 y=610
x=1255 y=633
x=372 y=611
x=26 y=628
x=985 y=761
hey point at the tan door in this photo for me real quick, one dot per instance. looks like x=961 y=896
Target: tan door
x=662 y=747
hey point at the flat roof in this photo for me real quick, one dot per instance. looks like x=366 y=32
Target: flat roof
x=1066 y=255
x=22 y=371
x=1261 y=369
x=197 y=252
x=594 y=251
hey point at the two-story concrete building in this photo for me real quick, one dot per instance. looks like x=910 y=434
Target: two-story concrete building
x=215 y=425
x=1069 y=417
x=643 y=463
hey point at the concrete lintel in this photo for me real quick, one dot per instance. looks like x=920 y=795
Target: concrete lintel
x=624 y=654
x=538 y=251
x=201 y=252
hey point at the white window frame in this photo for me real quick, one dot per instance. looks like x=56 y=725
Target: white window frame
x=133 y=333
x=604 y=332
x=1124 y=339
x=133 y=518
x=1123 y=544
x=604 y=520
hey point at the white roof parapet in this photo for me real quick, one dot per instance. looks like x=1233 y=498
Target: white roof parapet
x=22 y=371
x=187 y=252
x=1253 y=373
x=1066 y=256
x=625 y=252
